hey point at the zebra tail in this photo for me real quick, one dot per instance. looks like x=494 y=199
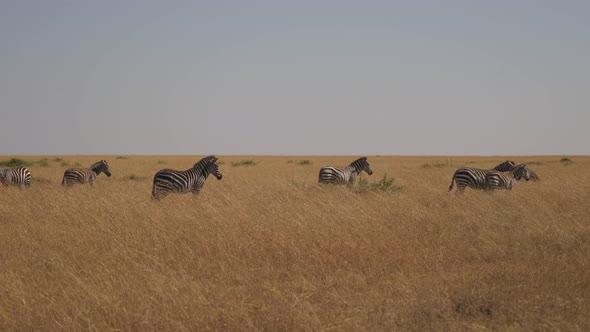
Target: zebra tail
x=452 y=182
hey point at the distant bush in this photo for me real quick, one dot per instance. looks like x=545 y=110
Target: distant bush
x=134 y=177
x=434 y=165
x=13 y=162
x=65 y=164
x=57 y=160
x=566 y=161
x=383 y=185
x=121 y=157
x=303 y=162
x=42 y=163
x=249 y=162
x=162 y=162
x=77 y=164
x=537 y=163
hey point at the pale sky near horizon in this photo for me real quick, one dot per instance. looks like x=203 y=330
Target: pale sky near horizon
x=297 y=77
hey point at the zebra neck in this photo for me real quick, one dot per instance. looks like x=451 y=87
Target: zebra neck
x=202 y=170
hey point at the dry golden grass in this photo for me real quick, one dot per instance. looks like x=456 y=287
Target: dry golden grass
x=267 y=248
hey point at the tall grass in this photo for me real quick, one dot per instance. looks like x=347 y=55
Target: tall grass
x=254 y=251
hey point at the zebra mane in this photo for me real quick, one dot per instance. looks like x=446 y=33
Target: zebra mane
x=357 y=164
x=505 y=166
x=204 y=163
x=98 y=165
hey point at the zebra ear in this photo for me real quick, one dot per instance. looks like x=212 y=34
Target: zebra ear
x=364 y=158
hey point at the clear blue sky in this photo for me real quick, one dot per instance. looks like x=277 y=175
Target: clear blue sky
x=298 y=77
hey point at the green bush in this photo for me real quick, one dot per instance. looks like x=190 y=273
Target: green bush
x=162 y=162
x=249 y=162
x=383 y=185
x=121 y=157
x=303 y=162
x=566 y=160
x=42 y=163
x=13 y=162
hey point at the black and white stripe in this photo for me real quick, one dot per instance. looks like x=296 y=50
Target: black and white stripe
x=17 y=176
x=85 y=175
x=469 y=177
x=192 y=180
x=508 y=164
x=505 y=166
x=347 y=174
x=507 y=180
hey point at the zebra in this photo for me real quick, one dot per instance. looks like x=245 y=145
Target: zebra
x=85 y=175
x=469 y=177
x=17 y=176
x=507 y=180
x=192 y=180
x=347 y=174
x=508 y=164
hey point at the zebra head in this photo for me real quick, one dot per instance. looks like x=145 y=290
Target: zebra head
x=208 y=165
x=521 y=171
x=101 y=166
x=362 y=164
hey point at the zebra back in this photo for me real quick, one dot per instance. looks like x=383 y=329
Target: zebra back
x=505 y=166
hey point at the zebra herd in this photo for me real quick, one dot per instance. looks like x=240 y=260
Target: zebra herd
x=166 y=181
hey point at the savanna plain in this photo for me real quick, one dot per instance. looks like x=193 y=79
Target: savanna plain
x=267 y=248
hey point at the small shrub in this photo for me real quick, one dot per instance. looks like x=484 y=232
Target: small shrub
x=566 y=161
x=162 y=162
x=248 y=162
x=77 y=164
x=42 y=163
x=65 y=164
x=121 y=157
x=13 y=162
x=434 y=165
x=383 y=185
x=134 y=177
x=303 y=162
x=534 y=163
x=57 y=160
x=290 y=161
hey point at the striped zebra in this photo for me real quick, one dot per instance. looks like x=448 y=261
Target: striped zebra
x=85 y=175
x=508 y=164
x=192 y=180
x=506 y=180
x=469 y=177
x=347 y=174
x=17 y=176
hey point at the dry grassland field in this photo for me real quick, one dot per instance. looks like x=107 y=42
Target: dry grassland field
x=267 y=248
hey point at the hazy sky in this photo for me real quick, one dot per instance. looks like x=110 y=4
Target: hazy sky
x=298 y=77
